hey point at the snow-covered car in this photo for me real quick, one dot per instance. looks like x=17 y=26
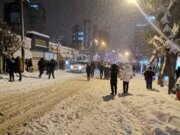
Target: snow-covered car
x=78 y=67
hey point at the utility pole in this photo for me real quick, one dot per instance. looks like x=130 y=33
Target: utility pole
x=22 y=32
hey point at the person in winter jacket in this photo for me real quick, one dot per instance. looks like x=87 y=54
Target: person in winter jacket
x=127 y=74
x=52 y=66
x=148 y=74
x=88 y=71
x=19 y=67
x=41 y=66
x=93 y=66
x=101 y=70
x=106 y=71
x=11 y=68
x=113 y=81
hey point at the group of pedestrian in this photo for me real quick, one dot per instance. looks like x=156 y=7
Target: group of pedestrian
x=126 y=76
x=104 y=69
x=14 y=65
x=112 y=72
x=49 y=65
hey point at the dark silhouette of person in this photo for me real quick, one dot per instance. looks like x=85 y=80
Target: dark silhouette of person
x=11 y=68
x=52 y=65
x=41 y=66
x=88 y=71
x=101 y=70
x=148 y=74
x=29 y=65
x=113 y=81
x=93 y=66
x=19 y=67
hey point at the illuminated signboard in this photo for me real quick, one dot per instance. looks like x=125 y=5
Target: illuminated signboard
x=40 y=42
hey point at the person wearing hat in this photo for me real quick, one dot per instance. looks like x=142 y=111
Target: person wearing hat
x=148 y=74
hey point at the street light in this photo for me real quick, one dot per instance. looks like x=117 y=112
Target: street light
x=132 y=1
x=147 y=18
x=103 y=43
x=96 y=41
x=126 y=54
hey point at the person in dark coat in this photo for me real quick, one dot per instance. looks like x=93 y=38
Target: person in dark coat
x=11 y=68
x=47 y=62
x=93 y=66
x=29 y=65
x=52 y=65
x=88 y=71
x=178 y=73
x=148 y=74
x=113 y=81
x=41 y=66
x=101 y=70
x=19 y=67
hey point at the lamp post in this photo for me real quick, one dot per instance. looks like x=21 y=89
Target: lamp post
x=22 y=32
x=58 y=53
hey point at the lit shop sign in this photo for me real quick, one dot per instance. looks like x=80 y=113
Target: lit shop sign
x=41 y=43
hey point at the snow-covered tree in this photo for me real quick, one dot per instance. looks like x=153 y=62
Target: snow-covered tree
x=9 y=42
x=166 y=43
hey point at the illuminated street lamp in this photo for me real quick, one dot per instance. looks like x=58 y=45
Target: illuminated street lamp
x=103 y=43
x=126 y=54
x=96 y=41
x=132 y=1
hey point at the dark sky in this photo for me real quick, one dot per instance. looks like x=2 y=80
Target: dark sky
x=121 y=17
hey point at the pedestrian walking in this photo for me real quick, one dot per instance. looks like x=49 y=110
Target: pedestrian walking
x=93 y=67
x=101 y=70
x=88 y=71
x=52 y=65
x=106 y=71
x=19 y=67
x=113 y=81
x=41 y=66
x=11 y=68
x=148 y=74
x=29 y=65
x=127 y=74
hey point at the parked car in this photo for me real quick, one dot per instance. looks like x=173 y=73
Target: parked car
x=78 y=67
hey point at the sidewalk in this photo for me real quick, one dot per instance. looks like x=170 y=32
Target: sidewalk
x=30 y=81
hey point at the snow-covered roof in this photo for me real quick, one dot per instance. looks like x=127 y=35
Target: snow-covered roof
x=37 y=33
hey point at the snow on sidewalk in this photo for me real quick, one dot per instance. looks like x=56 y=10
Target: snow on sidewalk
x=30 y=81
x=94 y=112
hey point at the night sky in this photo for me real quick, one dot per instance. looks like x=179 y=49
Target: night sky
x=120 y=16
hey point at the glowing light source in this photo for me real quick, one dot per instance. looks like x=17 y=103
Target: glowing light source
x=103 y=43
x=126 y=54
x=96 y=41
x=131 y=1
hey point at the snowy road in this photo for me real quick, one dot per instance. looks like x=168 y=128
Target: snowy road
x=78 y=107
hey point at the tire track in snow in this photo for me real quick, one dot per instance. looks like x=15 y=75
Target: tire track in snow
x=32 y=105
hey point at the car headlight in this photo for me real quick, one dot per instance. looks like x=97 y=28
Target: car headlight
x=71 y=67
x=80 y=67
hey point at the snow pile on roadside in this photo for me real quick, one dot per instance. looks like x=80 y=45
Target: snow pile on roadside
x=94 y=111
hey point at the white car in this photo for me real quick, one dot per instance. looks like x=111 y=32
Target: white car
x=78 y=67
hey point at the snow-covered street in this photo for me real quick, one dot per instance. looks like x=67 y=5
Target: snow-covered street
x=75 y=106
